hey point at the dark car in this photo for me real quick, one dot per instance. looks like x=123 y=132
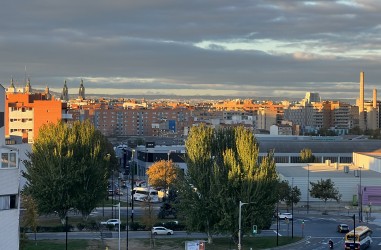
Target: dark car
x=343 y=228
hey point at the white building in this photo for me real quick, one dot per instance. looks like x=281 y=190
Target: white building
x=9 y=187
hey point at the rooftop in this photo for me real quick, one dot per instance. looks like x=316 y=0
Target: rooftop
x=324 y=171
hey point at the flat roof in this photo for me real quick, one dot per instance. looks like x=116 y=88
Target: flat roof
x=324 y=171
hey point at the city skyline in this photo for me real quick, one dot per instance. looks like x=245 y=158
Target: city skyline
x=250 y=48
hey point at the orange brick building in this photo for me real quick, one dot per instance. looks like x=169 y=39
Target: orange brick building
x=25 y=113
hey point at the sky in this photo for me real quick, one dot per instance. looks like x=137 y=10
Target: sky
x=244 y=48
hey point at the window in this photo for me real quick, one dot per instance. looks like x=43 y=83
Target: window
x=8 y=202
x=8 y=160
x=4 y=160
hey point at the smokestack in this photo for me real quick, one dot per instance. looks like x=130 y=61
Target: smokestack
x=361 y=104
x=362 y=122
x=375 y=98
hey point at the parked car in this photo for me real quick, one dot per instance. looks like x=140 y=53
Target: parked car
x=161 y=230
x=113 y=222
x=284 y=216
x=343 y=228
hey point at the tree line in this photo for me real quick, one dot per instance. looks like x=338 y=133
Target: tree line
x=69 y=167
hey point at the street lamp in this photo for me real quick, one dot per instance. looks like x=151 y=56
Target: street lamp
x=113 y=192
x=103 y=205
x=292 y=207
x=165 y=173
x=119 y=189
x=132 y=184
x=127 y=217
x=360 y=197
x=239 y=223
x=118 y=226
x=308 y=188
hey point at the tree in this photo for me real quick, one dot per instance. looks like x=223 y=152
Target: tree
x=291 y=195
x=68 y=168
x=306 y=155
x=325 y=190
x=30 y=215
x=149 y=217
x=223 y=170
x=162 y=174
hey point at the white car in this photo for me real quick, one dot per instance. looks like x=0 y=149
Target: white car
x=161 y=230
x=113 y=222
x=284 y=216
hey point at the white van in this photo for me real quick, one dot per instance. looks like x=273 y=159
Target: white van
x=145 y=194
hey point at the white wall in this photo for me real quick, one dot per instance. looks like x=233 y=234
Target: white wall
x=9 y=229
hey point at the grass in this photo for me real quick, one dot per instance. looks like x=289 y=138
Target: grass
x=108 y=202
x=61 y=244
x=160 y=243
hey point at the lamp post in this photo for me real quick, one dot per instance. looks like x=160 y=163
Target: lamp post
x=239 y=223
x=118 y=226
x=127 y=218
x=277 y=222
x=308 y=188
x=132 y=184
x=354 y=230
x=292 y=207
x=103 y=204
x=165 y=173
x=360 y=198
x=119 y=188
x=66 y=228
x=112 y=197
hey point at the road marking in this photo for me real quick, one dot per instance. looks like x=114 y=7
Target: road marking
x=278 y=233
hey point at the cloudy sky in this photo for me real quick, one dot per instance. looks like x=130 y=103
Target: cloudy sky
x=248 y=48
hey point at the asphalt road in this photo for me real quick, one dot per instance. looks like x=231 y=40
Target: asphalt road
x=315 y=228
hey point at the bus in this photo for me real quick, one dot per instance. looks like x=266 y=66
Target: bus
x=360 y=237
x=145 y=194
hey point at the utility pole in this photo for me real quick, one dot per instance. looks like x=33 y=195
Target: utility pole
x=132 y=184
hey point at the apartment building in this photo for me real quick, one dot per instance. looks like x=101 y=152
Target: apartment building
x=119 y=121
x=313 y=116
x=9 y=187
x=27 y=112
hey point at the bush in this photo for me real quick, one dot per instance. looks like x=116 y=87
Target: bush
x=92 y=225
x=174 y=226
x=110 y=227
x=59 y=228
x=81 y=226
x=134 y=226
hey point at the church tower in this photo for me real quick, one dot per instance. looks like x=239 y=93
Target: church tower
x=12 y=88
x=81 y=94
x=28 y=87
x=65 y=93
x=48 y=96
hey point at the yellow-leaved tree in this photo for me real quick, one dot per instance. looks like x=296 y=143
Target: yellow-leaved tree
x=162 y=174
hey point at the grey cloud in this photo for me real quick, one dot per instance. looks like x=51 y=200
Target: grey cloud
x=58 y=40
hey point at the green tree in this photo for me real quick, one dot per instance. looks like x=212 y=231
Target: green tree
x=287 y=193
x=325 y=190
x=68 y=168
x=306 y=155
x=30 y=215
x=223 y=170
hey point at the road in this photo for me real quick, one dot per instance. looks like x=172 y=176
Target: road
x=316 y=230
x=113 y=234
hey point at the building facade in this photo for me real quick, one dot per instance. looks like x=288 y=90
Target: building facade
x=9 y=187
